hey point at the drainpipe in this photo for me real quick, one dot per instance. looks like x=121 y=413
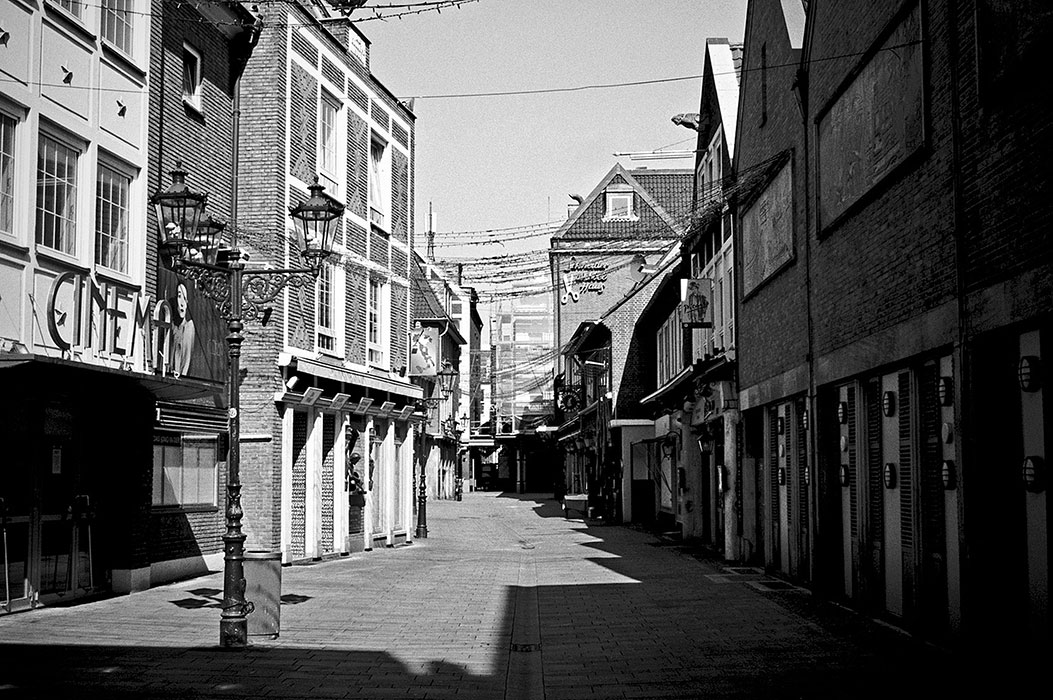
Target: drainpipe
x=800 y=85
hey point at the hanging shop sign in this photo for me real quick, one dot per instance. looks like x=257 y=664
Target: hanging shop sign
x=696 y=301
x=424 y=351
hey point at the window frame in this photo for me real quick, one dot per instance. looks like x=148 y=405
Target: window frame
x=46 y=133
x=193 y=101
x=378 y=305
x=328 y=275
x=14 y=157
x=163 y=440
x=117 y=168
x=380 y=183
x=613 y=194
x=123 y=17
x=330 y=173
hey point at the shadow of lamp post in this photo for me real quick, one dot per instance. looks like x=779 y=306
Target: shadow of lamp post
x=190 y=246
x=446 y=381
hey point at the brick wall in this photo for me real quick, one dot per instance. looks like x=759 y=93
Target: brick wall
x=772 y=322
x=893 y=259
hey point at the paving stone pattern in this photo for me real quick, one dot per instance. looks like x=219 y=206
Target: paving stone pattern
x=505 y=599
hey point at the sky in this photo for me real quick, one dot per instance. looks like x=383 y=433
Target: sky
x=507 y=161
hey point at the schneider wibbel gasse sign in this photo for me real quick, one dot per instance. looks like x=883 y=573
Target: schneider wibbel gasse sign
x=581 y=276
x=110 y=323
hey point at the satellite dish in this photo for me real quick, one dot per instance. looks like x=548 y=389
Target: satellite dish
x=637 y=269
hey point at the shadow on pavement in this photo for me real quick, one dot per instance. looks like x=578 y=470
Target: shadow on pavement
x=98 y=672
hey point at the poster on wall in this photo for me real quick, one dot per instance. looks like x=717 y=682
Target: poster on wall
x=767 y=231
x=190 y=331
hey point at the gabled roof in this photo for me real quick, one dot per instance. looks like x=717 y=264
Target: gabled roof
x=425 y=302
x=794 y=14
x=665 y=192
x=722 y=75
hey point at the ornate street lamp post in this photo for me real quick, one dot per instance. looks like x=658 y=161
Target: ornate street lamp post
x=447 y=380
x=190 y=247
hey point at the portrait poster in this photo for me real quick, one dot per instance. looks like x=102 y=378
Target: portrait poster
x=189 y=331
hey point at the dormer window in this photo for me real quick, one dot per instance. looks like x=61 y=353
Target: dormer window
x=620 y=204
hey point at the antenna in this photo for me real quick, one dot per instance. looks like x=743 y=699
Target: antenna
x=431 y=234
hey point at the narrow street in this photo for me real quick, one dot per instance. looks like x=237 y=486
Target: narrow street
x=506 y=598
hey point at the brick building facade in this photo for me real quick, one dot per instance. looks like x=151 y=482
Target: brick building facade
x=897 y=308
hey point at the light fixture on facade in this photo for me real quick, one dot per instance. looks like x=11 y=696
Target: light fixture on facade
x=1034 y=473
x=944 y=391
x=310 y=396
x=888 y=404
x=386 y=408
x=889 y=475
x=948 y=475
x=804 y=419
x=291 y=382
x=447 y=379
x=1029 y=373
x=406 y=412
x=780 y=425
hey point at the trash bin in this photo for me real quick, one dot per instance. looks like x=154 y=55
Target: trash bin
x=263 y=588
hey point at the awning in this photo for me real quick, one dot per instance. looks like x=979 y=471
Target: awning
x=671 y=386
x=339 y=373
x=171 y=388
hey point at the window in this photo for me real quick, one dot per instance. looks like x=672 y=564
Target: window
x=56 y=195
x=379 y=183
x=376 y=326
x=620 y=203
x=328 y=143
x=74 y=7
x=117 y=23
x=670 y=348
x=111 y=219
x=185 y=469
x=7 y=173
x=326 y=333
x=191 y=78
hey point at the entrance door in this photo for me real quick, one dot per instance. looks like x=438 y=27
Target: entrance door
x=16 y=514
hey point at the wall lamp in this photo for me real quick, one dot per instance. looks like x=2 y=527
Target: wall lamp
x=1029 y=373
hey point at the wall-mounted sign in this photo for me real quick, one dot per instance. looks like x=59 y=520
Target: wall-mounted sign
x=767 y=231
x=108 y=323
x=876 y=123
x=580 y=276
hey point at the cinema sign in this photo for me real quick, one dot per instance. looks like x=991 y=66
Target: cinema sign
x=100 y=318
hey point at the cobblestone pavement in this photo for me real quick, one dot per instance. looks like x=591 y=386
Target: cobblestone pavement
x=505 y=599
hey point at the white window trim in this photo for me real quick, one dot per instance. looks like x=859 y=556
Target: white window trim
x=194 y=101
x=131 y=50
x=133 y=250
x=380 y=184
x=333 y=176
x=383 y=325
x=23 y=201
x=614 y=194
x=84 y=218
x=335 y=330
